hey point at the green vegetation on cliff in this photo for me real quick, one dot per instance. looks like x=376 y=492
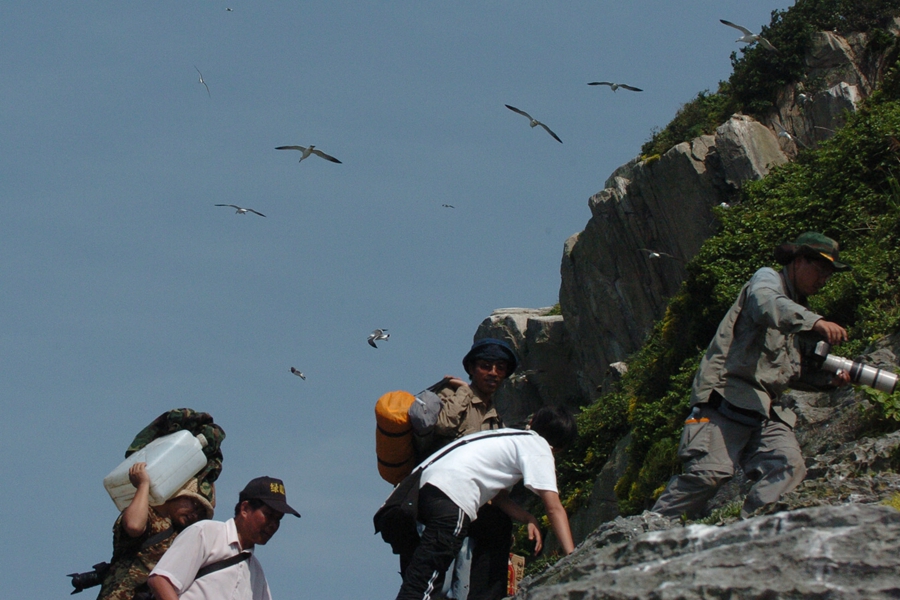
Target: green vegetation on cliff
x=848 y=188
x=759 y=75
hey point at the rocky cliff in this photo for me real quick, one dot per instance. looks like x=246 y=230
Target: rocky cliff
x=837 y=535
x=653 y=215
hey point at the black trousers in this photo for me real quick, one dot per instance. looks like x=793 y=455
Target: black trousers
x=491 y=534
x=446 y=525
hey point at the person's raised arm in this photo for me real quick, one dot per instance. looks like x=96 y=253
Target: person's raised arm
x=136 y=514
x=559 y=521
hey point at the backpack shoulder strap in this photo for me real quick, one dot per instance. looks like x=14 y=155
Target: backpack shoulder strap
x=157 y=538
x=467 y=440
x=223 y=564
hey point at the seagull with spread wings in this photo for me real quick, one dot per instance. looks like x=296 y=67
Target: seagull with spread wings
x=534 y=122
x=749 y=37
x=651 y=254
x=308 y=150
x=203 y=82
x=240 y=210
x=377 y=336
x=615 y=86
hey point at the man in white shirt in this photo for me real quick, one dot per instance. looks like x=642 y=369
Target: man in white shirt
x=481 y=468
x=211 y=560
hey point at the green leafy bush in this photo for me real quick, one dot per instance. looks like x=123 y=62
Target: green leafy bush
x=759 y=74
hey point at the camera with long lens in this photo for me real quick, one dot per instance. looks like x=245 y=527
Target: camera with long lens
x=82 y=581
x=860 y=373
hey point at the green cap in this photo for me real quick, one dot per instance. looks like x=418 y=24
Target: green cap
x=814 y=245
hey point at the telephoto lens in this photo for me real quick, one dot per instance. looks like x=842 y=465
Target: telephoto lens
x=860 y=373
x=82 y=581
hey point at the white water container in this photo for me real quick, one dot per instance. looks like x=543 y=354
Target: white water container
x=171 y=461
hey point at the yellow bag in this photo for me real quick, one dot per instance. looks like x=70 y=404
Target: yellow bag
x=394 y=436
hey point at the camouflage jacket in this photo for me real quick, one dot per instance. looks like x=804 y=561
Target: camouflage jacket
x=131 y=565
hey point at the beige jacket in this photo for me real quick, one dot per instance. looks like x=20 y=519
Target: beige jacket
x=464 y=412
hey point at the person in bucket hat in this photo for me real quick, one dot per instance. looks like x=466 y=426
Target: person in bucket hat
x=143 y=533
x=212 y=560
x=481 y=570
x=736 y=418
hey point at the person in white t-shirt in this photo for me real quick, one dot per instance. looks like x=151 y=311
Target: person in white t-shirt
x=211 y=560
x=477 y=471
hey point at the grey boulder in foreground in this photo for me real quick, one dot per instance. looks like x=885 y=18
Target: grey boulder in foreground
x=835 y=552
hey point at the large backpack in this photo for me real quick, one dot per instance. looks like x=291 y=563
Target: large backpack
x=403 y=430
x=394 y=436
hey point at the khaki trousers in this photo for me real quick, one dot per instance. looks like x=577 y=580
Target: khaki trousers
x=713 y=447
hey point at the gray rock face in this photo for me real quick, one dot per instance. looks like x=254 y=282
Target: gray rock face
x=654 y=215
x=613 y=289
x=836 y=552
x=545 y=353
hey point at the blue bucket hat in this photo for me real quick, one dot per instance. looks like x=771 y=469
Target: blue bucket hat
x=491 y=349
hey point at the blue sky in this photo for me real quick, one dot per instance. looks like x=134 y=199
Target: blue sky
x=126 y=292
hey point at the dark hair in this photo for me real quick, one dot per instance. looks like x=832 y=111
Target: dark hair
x=255 y=503
x=556 y=425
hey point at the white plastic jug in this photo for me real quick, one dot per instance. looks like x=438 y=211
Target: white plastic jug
x=171 y=461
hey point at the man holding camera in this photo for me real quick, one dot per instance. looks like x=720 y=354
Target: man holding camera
x=736 y=419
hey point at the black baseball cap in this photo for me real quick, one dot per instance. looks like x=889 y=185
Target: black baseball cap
x=270 y=491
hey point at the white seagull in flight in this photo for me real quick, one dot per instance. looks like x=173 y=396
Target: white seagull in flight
x=749 y=37
x=651 y=254
x=203 y=82
x=378 y=335
x=615 y=86
x=298 y=373
x=242 y=211
x=534 y=122
x=309 y=150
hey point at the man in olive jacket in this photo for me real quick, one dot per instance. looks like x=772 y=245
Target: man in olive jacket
x=736 y=419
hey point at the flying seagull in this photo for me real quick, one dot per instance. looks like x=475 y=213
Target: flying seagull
x=298 y=373
x=378 y=335
x=309 y=150
x=229 y=10
x=534 y=122
x=783 y=133
x=448 y=206
x=241 y=211
x=615 y=86
x=203 y=82
x=749 y=37
x=651 y=254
